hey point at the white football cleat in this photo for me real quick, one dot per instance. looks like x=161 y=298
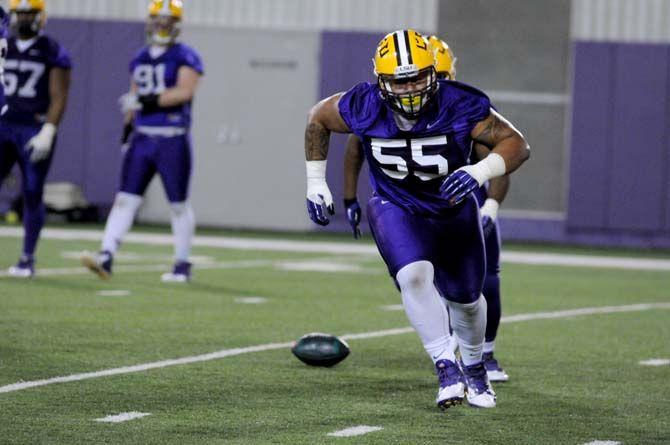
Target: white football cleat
x=480 y=394
x=452 y=384
x=25 y=268
x=181 y=273
x=493 y=369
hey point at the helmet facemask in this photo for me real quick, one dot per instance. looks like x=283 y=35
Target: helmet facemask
x=409 y=92
x=163 y=29
x=27 y=23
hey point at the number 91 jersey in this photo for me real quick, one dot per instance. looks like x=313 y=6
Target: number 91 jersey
x=27 y=72
x=153 y=75
x=408 y=167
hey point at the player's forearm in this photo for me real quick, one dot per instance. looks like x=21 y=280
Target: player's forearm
x=317 y=141
x=498 y=188
x=175 y=96
x=514 y=150
x=353 y=162
x=59 y=86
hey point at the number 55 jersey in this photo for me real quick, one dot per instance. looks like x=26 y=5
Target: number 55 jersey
x=153 y=75
x=27 y=70
x=407 y=167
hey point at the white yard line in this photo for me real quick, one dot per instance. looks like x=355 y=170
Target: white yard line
x=655 y=362
x=122 y=417
x=279 y=245
x=603 y=442
x=355 y=431
x=273 y=346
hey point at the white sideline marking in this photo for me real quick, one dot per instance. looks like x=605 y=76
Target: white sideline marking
x=355 y=431
x=603 y=442
x=272 y=346
x=655 y=362
x=122 y=417
x=344 y=248
x=135 y=257
x=393 y=307
x=251 y=300
x=113 y=293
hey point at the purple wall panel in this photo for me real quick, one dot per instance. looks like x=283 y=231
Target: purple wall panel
x=346 y=59
x=666 y=201
x=592 y=102
x=639 y=122
x=70 y=155
x=88 y=146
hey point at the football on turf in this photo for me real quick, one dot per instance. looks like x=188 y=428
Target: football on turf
x=318 y=349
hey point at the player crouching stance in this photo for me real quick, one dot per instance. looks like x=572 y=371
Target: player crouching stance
x=36 y=85
x=416 y=130
x=165 y=75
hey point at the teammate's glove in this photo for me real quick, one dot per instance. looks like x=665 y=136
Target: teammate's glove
x=353 y=210
x=489 y=213
x=467 y=179
x=41 y=144
x=129 y=102
x=319 y=198
x=128 y=129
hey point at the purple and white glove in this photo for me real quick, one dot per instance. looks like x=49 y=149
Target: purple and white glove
x=353 y=210
x=489 y=214
x=467 y=179
x=319 y=199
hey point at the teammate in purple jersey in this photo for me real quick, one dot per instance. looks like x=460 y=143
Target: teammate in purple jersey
x=164 y=78
x=488 y=197
x=36 y=82
x=417 y=130
x=4 y=25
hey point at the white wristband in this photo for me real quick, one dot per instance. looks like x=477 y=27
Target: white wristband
x=316 y=169
x=490 y=208
x=488 y=168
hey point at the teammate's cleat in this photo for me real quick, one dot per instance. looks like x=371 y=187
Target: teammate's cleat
x=480 y=394
x=493 y=369
x=181 y=273
x=24 y=268
x=452 y=384
x=101 y=264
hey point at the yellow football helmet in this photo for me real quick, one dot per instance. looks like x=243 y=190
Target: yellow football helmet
x=164 y=22
x=405 y=69
x=445 y=60
x=27 y=17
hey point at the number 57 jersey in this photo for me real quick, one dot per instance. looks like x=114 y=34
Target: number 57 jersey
x=27 y=71
x=153 y=75
x=408 y=167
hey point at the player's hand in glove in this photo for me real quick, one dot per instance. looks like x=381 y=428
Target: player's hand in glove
x=129 y=102
x=319 y=199
x=489 y=214
x=353 y=210
x=458 y=185
x=41 y=144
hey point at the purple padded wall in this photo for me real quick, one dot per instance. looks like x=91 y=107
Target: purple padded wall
x=88 y=150
x=639 y=122
x=592 y=100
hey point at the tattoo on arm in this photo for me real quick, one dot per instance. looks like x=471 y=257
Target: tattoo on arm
x=495 y=130
x=317 y=139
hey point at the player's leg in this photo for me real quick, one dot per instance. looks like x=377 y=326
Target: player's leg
x=405 y=242
x=493 y=313
x=34 y=176
x=174 y=166
x=8 y=156
x=459 y=276
x=136 y=172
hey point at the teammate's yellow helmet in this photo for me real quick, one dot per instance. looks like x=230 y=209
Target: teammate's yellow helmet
x=26 y=5
x=445 y=60
x=405 y=67
x=27 y=17
x=164 y=22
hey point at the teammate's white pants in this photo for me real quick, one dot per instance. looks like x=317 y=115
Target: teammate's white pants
x=120 y=220
x=183 y=228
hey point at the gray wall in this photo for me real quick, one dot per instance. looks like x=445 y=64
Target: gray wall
x=522 y=47
x=248 y=129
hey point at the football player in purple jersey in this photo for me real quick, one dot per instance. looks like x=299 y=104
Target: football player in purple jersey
x=488 y=197
x=4 y=25
x=417 y=133
x=36 y=81
x=164 y=77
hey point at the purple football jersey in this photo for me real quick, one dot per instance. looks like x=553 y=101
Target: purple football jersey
x=407 y=167
x=27 y=78
x=4 y=24
x=155 y=75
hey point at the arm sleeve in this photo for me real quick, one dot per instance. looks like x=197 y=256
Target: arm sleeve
x=61 y=58
x=192 y=59
x=359 y=107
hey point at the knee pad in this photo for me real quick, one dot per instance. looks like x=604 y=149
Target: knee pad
x=179 y=208
x=127 y=200
x=416 y=276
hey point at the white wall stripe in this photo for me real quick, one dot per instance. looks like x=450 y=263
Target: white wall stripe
x=355 y=431
x=122 y=417
x=280 y=245
x=274 y=346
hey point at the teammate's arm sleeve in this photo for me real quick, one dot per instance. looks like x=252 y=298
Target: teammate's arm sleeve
x=324 y=117
x=353 y=162
x=183 y=91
